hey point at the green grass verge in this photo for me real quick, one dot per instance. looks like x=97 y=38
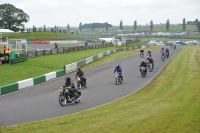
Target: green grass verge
x=35 y=36
x=169 y=104
x=139 y=43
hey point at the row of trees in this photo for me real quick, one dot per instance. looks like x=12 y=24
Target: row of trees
x=151 y=25
x=13 y=18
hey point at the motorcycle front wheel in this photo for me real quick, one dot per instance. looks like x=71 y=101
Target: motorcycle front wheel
x=62 y=100
x=116 y=80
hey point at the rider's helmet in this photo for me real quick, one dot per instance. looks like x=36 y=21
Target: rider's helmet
x=143 y=61
x=117 y=66
x=78 y=69
x=149 y=51
x=67 y=79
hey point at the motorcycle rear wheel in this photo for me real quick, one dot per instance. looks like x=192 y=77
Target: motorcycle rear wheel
x=77 y=97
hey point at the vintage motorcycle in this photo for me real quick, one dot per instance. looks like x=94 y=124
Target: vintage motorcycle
x=143 y=73
x=167 y=55
x=141 y=54
x=80 y=83
x=118 y=78
x=66 y=95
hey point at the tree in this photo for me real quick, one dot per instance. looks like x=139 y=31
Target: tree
x=135 y=25
x=106 y=26
x=121 y=25
x=198 y=26
x=93 y=26
x=12 y=17
x=167 y=24
x=68 y=28
x=151 y=25
x=80 y=26
x=55 y=28
x=44 y=28
x=184 y=24
x=33 y=28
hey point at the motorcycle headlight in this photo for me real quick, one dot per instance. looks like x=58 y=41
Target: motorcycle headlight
x=61 y=88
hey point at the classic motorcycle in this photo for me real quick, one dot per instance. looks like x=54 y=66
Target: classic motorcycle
x=66 y=96
x=117 y=78
x=143 y=73
x=162 y=57
x=141 y=54
x=167 y=55
x=150 y=67
x=80 y=83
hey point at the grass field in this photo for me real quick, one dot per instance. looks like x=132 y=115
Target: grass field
x=170 y=104
x=140 y=43
x=36 y=36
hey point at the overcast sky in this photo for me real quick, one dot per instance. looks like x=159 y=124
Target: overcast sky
x=62 y=12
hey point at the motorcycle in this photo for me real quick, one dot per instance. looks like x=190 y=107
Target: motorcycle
x=167 y=55
x=66 y=96
x=117 y=78
x=143 y=73
x=150 y=67
x=174 y=47
x=163 y=57
x=80 y=83
x=141 y=54
x=148 y=54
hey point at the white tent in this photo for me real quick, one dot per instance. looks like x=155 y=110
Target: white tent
x=5 y=31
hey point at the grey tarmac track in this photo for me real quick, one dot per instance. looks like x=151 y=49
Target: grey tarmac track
x=41 y=102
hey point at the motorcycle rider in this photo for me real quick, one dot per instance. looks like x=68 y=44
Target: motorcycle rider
x=81 y=75
x=142 y=51
x=149 y=53
x=118 y=69
x=174 y=46
x=167 y=51
x=163 y=51
x=151 y=61
x=69 y=84
x=143 y=64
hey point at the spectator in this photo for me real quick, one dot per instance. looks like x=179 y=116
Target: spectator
x=86 y=43
x=23 y=48
x=4 y=49
x=7 y=51
x=56 y=45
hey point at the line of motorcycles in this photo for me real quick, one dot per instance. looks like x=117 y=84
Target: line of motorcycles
x=71 y=94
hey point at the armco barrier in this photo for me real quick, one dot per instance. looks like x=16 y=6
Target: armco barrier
x=46 y=77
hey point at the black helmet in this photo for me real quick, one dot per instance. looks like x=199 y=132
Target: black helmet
x=78 y=69
x=67 y=78
x=117 y=65
x=143 y=61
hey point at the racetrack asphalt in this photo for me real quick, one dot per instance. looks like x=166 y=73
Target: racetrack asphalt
x=41 y=102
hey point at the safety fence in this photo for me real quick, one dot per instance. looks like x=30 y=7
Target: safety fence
x=52 y=75
x=36 y=53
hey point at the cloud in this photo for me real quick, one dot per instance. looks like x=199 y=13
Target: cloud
x=62 y=12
